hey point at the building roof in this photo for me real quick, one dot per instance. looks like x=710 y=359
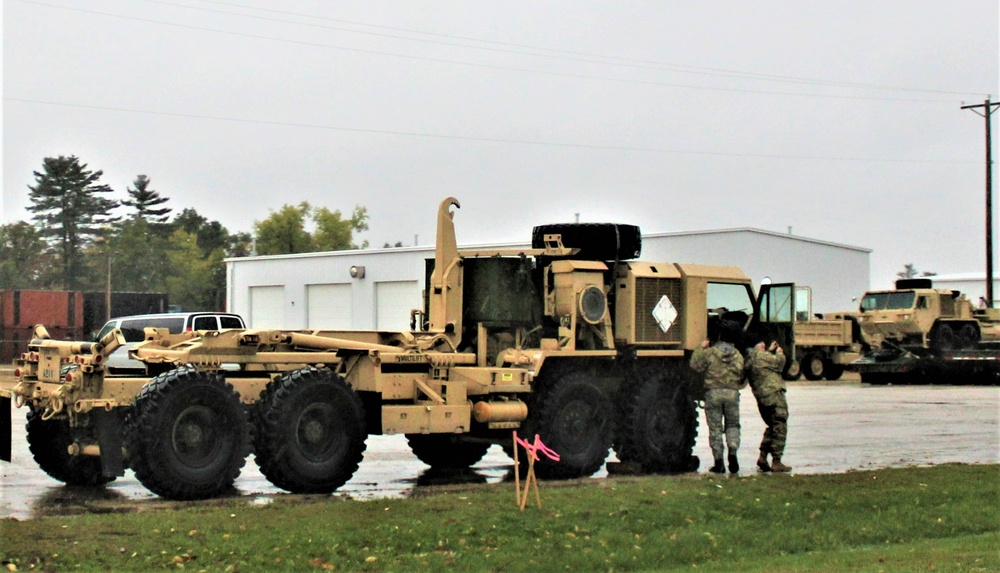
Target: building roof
x=968 y=276
x=759 y=232
x=525 y=245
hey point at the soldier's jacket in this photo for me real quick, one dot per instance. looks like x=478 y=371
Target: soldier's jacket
x=721 y=365
x=764 y=368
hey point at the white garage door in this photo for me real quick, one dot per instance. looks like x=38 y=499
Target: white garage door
x=329 y=306
x=267 y=307
x=393 y=302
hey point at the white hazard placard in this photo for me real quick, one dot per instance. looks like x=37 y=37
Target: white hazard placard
x=664 y=313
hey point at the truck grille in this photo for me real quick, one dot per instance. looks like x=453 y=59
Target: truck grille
x=647 y=293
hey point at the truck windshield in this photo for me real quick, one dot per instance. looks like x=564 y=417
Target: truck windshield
x=888 y=300
x=726 y=298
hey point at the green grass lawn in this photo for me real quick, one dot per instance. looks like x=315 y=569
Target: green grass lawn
x=943 y=518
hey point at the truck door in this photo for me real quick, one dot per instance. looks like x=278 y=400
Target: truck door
x=775 y=317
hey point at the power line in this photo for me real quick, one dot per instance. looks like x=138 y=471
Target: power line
x=485 y=139
x=489 y=66
x=630 y=62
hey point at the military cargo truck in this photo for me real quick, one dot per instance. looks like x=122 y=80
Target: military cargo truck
x=818 y=346
x=573 y=340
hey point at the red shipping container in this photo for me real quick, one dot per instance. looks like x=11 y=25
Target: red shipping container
x=61 y=312
x=54 y=309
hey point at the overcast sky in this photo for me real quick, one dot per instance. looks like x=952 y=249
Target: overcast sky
x=839 y=120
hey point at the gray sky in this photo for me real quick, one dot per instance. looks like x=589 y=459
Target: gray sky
x=841 y=120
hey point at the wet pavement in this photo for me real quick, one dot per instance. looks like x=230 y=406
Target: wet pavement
x=833 y=428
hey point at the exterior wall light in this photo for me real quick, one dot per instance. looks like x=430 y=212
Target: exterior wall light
x=357 y=272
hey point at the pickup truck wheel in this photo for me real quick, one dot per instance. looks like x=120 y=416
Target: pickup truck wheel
x=48 y=441
x=793 y=371
x=445 y=451
x=187 y=435
x=573 y=417
x=813 y=366
x=657 y=422
x=310 y=431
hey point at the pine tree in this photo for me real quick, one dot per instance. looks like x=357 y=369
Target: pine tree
x=144 y=199
x=69 y=210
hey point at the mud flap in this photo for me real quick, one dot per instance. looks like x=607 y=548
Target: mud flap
x=5 y=429
x=109 y=438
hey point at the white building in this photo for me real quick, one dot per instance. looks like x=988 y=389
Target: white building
x=972 y=285
x=318 y=291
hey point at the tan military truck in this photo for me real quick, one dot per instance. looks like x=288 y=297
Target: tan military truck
x=921 y=333
x=572 y=340
x=816 y=345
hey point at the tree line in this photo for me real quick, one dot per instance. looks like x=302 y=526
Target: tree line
x=81 y=238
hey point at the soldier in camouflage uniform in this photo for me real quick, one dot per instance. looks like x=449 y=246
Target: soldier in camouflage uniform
x=721 y=365
x=763 y=368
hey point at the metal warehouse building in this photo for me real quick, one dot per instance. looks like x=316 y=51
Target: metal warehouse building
x=318 y=291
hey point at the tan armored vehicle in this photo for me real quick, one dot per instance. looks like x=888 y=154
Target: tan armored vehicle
x=919 y=318
x=572 y=340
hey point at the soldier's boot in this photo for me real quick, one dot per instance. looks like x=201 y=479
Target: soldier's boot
x=719 y=467
x=777 y=466
x=762 y=463
x=734 y=464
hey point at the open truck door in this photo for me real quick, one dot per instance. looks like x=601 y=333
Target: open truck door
x=775 y=318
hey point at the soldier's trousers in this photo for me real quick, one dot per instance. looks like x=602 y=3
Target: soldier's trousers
x=774 y=411
x=722 y=411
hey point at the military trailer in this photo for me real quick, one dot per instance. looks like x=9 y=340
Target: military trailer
x=573 y=340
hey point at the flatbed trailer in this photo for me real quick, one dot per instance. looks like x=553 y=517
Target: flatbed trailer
x=896 y=366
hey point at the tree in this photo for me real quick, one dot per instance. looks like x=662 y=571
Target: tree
x=910 y=271
x=136 y=252
x=334 y=233
x=23 y=257
x=215 y=243
x=192 y=280
x=69 y=210
x=285 y=231
x=144 y=199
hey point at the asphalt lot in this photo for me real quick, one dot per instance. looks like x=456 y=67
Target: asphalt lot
x=833 y=428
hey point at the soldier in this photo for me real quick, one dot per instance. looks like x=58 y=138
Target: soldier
x=721 y=365
x=764 y=371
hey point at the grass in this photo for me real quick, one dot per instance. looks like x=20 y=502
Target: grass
x=944 y=518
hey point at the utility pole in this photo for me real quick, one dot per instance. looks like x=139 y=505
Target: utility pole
x=988 y=108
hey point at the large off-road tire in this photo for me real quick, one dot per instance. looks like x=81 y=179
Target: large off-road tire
x=943 y=338
x=49 y=440
x=657 y=422
x=574 y=417
x=968 y=337
x=310 y=431
x=596 y=241
x=187 y=435
x=813 y=366
x=446 y=451
x=792 y=371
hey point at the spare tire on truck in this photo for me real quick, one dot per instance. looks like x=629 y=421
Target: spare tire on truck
x=596 y=241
